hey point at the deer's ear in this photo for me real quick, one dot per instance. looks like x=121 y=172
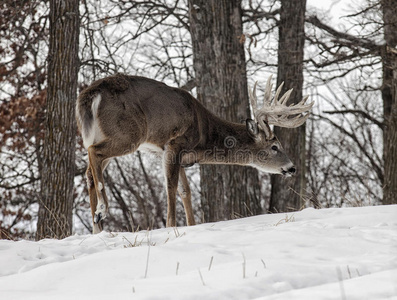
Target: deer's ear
x=252 y=128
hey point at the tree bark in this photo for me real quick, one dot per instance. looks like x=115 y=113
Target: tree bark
x=55 y=210
x=287 y=194
x=389 y=96
x=220 y=71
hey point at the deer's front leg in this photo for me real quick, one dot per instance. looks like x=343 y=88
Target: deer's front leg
x=186 y=195
x=171 y=171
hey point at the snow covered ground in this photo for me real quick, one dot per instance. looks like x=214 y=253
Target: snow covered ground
x=348 y=253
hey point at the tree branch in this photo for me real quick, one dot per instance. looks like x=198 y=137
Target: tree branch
x=377 y=168
x=349 y=40
x=362 y=113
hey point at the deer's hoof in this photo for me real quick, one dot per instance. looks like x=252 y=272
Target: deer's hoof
x=100 y=213
x=97 y=218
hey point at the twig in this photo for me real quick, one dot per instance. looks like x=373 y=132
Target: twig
x=264 y=265
x=341 y=286
x=364 y=114
x=148 y=253
x=201 y=276
x=348 y=271
x=209 y=267
x=244 y=264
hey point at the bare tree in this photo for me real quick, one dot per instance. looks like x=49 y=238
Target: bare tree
x=344 y=153
x=219 y=63
x=57 y=179
x=365 y=52
x=287 y=194
x=23 y=51
x=389 y=96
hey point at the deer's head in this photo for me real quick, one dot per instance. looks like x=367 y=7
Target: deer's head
x=269 y=155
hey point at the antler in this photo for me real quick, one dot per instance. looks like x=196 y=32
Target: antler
x=276 y=111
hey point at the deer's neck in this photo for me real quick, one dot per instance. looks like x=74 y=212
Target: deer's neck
x=225 y=143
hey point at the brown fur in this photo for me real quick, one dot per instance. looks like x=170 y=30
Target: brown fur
x=136 y=110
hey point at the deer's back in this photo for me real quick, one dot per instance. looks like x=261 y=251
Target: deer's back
x=136 y=110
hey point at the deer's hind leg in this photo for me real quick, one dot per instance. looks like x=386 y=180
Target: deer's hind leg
x=98 y=197
x=99 y=156
x=97 y=226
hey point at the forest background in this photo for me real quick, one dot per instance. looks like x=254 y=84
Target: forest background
x=343 y=55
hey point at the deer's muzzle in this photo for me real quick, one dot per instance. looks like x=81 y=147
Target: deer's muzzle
x=289 y=172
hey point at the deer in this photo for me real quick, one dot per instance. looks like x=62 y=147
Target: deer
x=121 y=114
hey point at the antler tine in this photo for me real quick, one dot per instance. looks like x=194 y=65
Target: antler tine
x=275 y=100
x=268 y=91
x=276 y=112
x=303 y=100
x=285 y=97
x=253 y=99
x=289 y=123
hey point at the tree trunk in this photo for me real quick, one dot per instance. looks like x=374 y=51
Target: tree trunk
x=55 y=211
x=389 y=96
x=219 y=63
x=287 y=193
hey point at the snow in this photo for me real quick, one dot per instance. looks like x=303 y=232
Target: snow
x=344 y=253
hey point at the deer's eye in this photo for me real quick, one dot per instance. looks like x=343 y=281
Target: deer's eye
x=274 y=147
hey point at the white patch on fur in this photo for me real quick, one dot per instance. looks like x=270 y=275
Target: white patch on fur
x=266 y=169
x=163 y=162
x=101 y=206
x=94 y=134
x=95 y=104
x=100 y=186
x=271 y=170
x=148 y=147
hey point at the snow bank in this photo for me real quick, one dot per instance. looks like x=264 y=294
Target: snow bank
x=348 y=253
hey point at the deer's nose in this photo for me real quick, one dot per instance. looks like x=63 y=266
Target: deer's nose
x=292 y=170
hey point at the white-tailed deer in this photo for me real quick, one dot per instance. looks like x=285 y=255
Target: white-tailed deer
x=120 y=114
